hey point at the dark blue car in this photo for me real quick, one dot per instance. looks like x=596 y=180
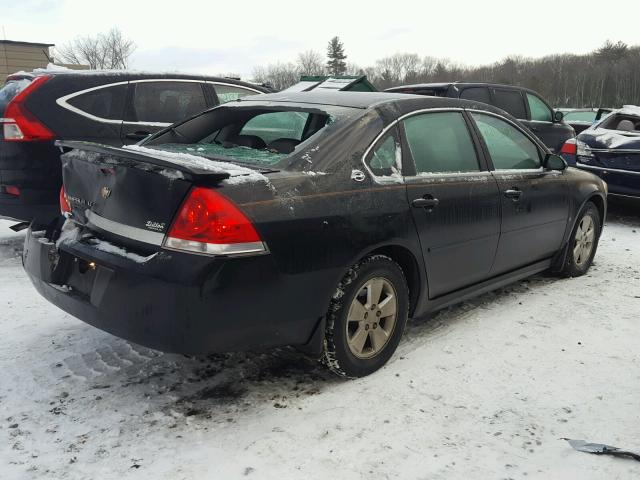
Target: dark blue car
x=610 y=148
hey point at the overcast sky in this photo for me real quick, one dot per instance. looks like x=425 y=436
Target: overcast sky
x=219 y=36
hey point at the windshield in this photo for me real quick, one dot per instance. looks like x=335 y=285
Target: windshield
x=10 y=90
x=261 y=135
x=580 y=117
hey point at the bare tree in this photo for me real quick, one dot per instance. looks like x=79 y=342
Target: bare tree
x=310 y=63
x=109 y=50
x=278 y=75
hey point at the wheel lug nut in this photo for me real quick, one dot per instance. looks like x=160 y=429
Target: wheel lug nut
x=366 y=327
x=375 y=325
x=366 y=314
x=378 y=313
x=373 y=307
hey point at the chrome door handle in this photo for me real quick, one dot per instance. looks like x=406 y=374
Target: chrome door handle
x=514 y=194
x=427 y=202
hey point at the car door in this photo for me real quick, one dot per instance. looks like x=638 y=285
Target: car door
x=454 y=200
x=534 y=201
x=155 y=104
x=541 y=122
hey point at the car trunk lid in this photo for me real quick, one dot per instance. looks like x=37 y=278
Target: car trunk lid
x=133 y=195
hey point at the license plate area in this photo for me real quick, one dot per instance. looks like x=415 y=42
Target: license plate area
x=88 y=279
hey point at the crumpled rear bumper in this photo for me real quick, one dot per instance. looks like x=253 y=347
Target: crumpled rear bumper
x=210 y=306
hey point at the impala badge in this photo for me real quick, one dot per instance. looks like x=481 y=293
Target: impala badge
x=105 y=192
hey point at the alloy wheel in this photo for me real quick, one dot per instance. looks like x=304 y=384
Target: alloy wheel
x=585 y=236
x=372 y=318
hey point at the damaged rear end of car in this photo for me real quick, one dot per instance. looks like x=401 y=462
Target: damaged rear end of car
x=162 y=244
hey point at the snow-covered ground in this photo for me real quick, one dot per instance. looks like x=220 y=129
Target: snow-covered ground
x=484 y=390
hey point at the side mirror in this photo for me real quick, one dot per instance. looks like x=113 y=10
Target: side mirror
x=554 y=162
x=558 y=116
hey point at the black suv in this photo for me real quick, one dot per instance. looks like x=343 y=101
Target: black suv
x=524 y=104
x=116 y=108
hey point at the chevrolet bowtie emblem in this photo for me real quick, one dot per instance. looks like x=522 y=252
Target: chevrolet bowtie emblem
x=105 y=192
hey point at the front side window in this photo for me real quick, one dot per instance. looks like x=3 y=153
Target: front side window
x=107 y=102
x=167 y=102
x=384 y=159
x=509 y=148
x=539 y=110
x=440 y=142
x=510 y=101
x=228 y=93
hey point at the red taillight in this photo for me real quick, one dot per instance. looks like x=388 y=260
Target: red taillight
x=209 y=223
x=12 y=190
x=65 y=208
x=570 y=147
x=19 y=124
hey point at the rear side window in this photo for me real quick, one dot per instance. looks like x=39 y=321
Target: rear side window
x=107 y=102
x=510 y=101
x=440 y=142
x=228 y=93
x=384 y=159
x=277 y=126
x=478 y=94
x=167 y=102
x=539 y=110
x=508 y=147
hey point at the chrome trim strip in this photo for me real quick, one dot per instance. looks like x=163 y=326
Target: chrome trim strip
x=613 y=150
x=214 y=248
x=242 y=87
x=430 y=175
x=127 y=231
x=602 y=169
x=624 y=196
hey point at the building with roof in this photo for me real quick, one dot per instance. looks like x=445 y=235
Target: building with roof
x=17 y=56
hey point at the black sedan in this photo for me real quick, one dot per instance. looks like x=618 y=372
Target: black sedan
x=611 y=150
x=320 y=220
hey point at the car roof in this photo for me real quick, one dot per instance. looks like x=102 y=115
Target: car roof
x=400 y=102
x=124 y=75
x=329 y=97
x=446 y=85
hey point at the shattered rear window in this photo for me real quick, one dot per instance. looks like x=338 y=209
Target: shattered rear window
x=257 y=134
x=241 y=154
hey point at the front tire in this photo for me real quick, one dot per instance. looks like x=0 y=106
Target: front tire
x=583 y=242
x=366 y=317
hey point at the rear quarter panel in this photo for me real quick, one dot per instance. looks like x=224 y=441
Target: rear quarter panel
x=318 y=224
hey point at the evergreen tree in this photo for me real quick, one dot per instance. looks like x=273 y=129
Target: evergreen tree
x=335 y=53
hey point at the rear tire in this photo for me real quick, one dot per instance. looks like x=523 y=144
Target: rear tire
x=583 y=242
x=366 y=317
